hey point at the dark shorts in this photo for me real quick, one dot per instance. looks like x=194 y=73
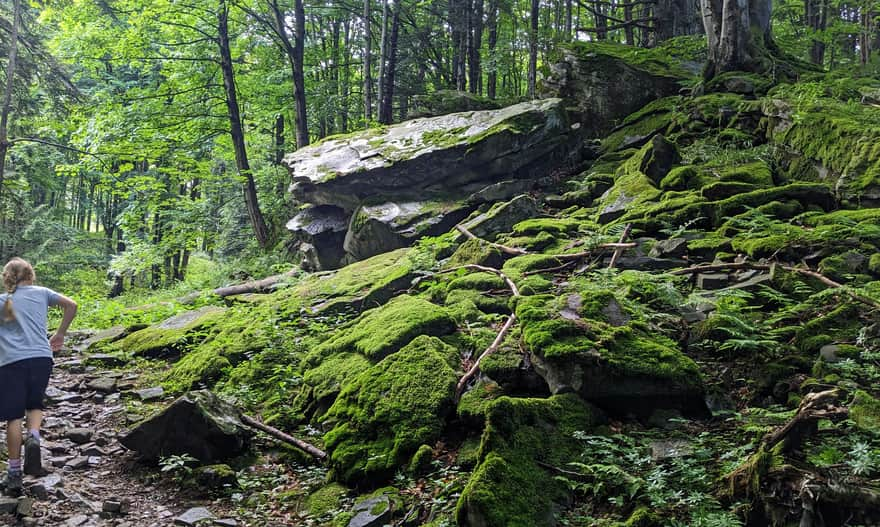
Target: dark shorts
x=22 y=387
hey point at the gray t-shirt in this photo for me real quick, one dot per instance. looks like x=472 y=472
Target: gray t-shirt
x=26 y=336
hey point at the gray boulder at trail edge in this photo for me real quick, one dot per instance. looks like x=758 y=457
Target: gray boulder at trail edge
x=451 y=156
x=199 y=424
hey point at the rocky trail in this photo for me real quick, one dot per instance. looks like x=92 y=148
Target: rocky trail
x=91 y=480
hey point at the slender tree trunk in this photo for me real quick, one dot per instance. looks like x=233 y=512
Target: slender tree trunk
x=346 y=74
x=492 y=23
x=7 y=94
x=383 y=50
x=299 y=84
x=279 y=138
x=568 y=25
x=476 y=72
x=386 y=104
x=628 y=29
x=816 y=12
x=533 y=49
x=368 y=78
x=261 y=231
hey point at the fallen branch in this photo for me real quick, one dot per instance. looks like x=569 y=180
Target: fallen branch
x=617 y=252
x=767 y=267
x=459 y=388
x=254 y=286
x=746 y=478
x=283 y=437
x=515 y=251
x=474 y=267
x=549 y=269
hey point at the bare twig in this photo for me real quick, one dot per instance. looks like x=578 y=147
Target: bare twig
x=515 y=251
x=283 y=437
x=617 y=252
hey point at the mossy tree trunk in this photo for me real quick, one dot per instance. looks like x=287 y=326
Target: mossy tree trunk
x=738 y=35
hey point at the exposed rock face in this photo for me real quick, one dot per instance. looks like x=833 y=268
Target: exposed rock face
x=429 y=158
x=606 y=87
x=442 y=102
x=376 y=229
x=379 y=190
x=198 y=424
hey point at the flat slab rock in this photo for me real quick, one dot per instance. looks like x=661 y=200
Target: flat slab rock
x=421 y=158
x=194 y=516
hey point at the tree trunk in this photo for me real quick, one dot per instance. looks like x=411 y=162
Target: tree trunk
x=385 y=114
x=533 y=49
x=7 y=94
x=738 y=35
x=279 y=138
x=368 y=79
x=236 y=132
x=492 y=23
x=383 y=49
x=476 y=43
x=816 y=13
x=299 y=84
x=346 y=75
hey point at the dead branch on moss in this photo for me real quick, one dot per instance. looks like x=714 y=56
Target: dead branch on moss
x=515 y=251
x=550 y=269
x=283 y=437
x=745 y=479
x=767 y=267
x=617 y=252
x=499 y=338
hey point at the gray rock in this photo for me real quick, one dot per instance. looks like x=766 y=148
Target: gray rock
x=8 y=505
x=186 y=318
x=25 y=507
x=150 y=394
x=77 y=463
x=670 y=448
x=828 y=353
x=422 y=159
x=194 y=516
x=372 y=512
x=117 y=506
x=502 y=217
x=226 y=522
x=319 y=233
x=79 y=436
x=712 y=280
x=604 y=88
x=377 y=229
x=76 y=521
x=659 y=159
x=616 y=209
x=199 y=424
x=671 y=248
x=102 y=384
x=442 y=102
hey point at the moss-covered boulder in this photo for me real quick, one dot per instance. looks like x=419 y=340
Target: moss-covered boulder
x=442 y=102
x=585 y=341
x=382 y=331
x=606 y=82
x=384 y=415
x=514 y=483
x=173 y=336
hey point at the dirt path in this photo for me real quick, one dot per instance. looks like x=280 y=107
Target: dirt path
x=91 y=479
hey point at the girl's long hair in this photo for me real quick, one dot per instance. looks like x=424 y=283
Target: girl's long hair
x=15 y=272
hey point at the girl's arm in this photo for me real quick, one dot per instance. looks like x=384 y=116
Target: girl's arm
x=69 y=308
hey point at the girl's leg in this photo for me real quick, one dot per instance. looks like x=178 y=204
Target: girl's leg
x=13 y=442
x=34 y=422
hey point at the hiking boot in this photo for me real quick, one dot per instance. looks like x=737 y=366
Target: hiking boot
x=33 y=459
x=12 y=483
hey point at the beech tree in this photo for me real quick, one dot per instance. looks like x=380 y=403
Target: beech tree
x=738 y=35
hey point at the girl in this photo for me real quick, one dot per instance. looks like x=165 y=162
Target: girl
x=26 y=362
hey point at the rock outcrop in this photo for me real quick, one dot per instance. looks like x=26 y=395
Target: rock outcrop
x=381 y=189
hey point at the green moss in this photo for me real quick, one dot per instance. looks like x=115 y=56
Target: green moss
x=468 y=453
x=680 y=178
x=383 y=415
x=476 y=251
x=382 y=331
x=421 y=460
x=865 y=412
x=326 y=499
x=874 y=264
x=555 y=226
x=643 y=517
x=201 y=366
x=476 y=401
x=321 y=384
x=156 y=341
x=511 y=486
x=478 y=281
x=515 y=267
